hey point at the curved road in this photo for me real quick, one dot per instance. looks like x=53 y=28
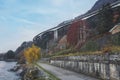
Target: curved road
x=65 y=74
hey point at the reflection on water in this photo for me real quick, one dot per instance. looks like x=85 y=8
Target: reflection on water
x=4 y=73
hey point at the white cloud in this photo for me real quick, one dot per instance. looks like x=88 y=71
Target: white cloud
x=22 y=20
x=25 y=21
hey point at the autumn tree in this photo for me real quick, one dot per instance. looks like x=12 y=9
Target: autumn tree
x=32 y=54
x=73 y=33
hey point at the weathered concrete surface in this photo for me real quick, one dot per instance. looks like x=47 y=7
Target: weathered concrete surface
x=106 y=66
x=65 y=74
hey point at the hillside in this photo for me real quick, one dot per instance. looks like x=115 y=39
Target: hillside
x=79 y=32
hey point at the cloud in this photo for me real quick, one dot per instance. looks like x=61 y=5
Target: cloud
x=43 y=11
x=22 y=20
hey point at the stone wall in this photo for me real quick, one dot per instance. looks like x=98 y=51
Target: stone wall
x=105 y=66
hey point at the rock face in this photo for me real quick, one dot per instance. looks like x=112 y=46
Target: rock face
x=26 y=73
x=15 y=68
x=33 y=74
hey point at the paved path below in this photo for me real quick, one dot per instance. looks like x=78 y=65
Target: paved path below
x=65 y=74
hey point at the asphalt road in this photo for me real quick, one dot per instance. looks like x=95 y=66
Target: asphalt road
x=65 y=74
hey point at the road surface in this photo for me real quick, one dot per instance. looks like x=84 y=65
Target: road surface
x=65 y=74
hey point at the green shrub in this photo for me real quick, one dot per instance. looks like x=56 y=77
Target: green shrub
x=90 y=46
x=115 y=39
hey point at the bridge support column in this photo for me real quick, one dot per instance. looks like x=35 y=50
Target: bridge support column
x=55 y=35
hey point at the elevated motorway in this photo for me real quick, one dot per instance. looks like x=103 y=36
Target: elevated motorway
x=65 y=23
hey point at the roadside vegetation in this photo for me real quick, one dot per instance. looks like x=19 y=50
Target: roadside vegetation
x=50 y=75
x=34 y=70
x=32 y=55
x=110 y=48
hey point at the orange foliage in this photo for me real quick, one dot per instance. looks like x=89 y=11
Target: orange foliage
x=32 y=54
x=73 y=32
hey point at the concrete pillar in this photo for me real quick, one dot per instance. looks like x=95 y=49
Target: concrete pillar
x=118 y=71
x=55 y=35
x=107 y=66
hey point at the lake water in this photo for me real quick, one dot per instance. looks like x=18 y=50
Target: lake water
x=4 y=73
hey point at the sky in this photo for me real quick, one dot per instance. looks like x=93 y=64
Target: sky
x=21 y=20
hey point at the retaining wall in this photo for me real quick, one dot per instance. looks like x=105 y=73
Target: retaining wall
x=105 y=66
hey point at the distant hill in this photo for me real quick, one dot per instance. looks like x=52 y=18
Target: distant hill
x=23 y=46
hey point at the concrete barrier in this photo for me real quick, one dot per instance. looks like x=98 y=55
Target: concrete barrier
x=106 y=66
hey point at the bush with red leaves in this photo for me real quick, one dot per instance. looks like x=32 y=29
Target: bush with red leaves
x=73 y=32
